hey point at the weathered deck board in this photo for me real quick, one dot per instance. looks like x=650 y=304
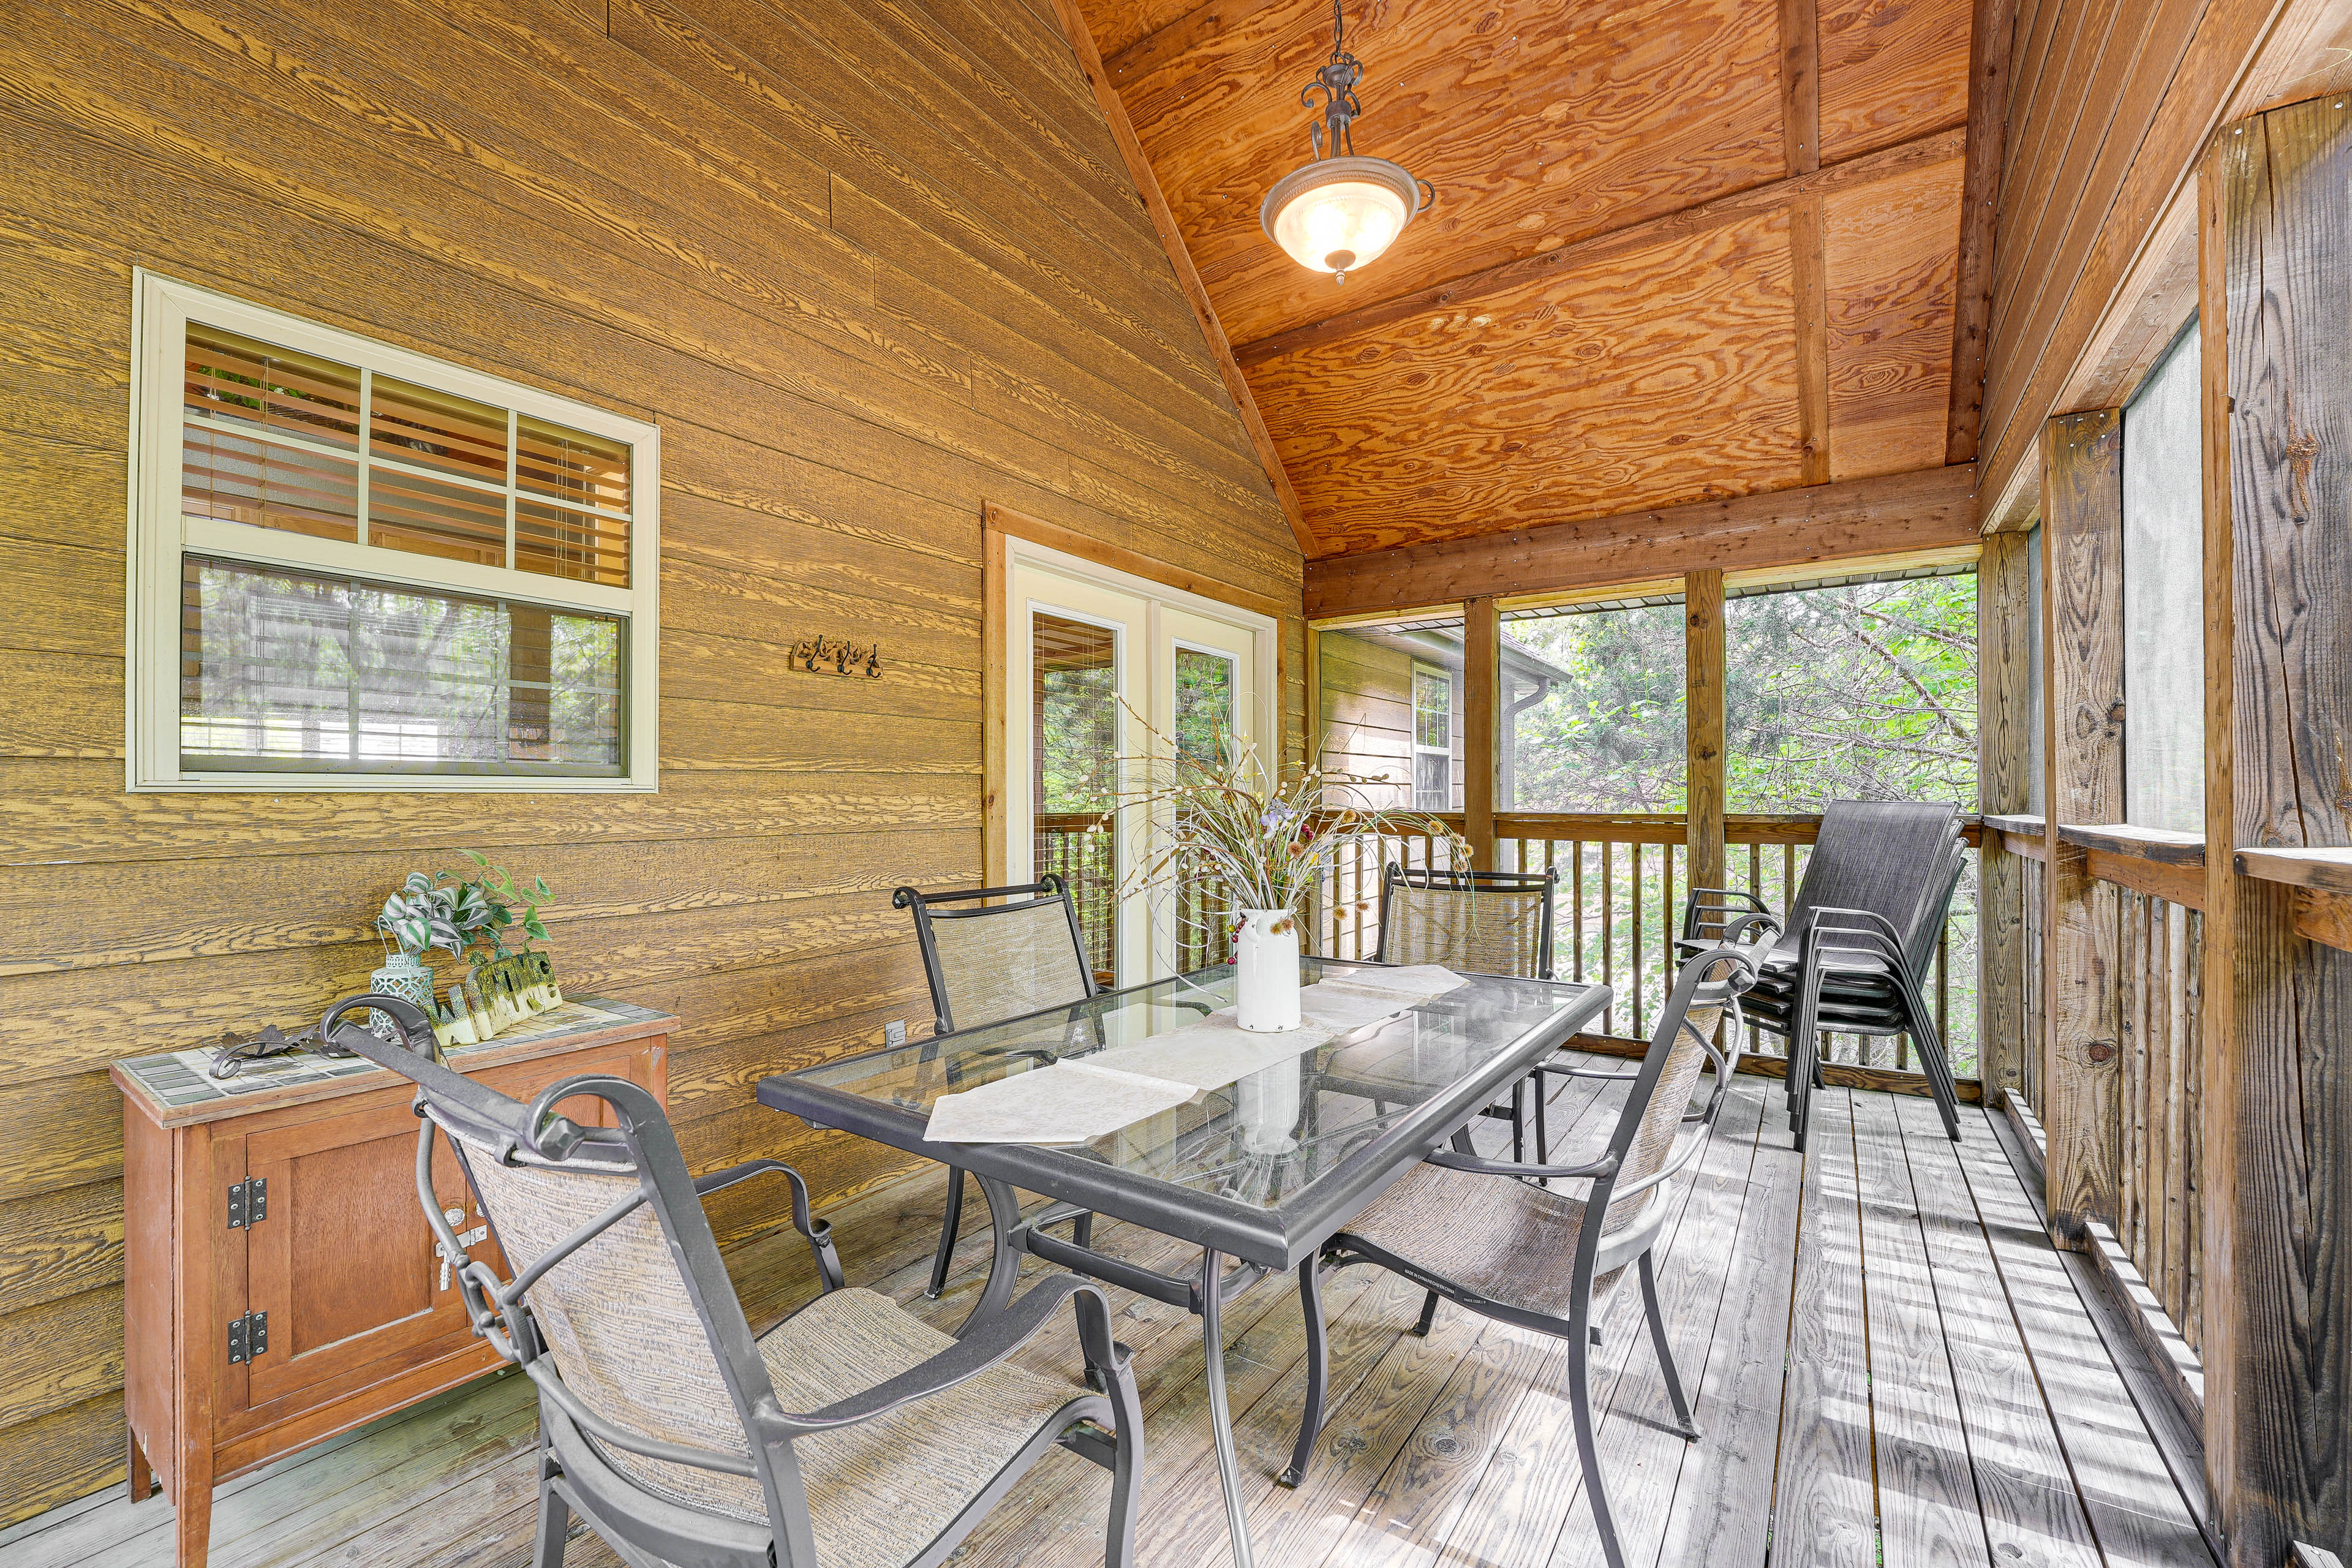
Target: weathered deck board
x=1871 y=1331
x=1927 y=1510
x=1825 y=1511
x=2134 y=1507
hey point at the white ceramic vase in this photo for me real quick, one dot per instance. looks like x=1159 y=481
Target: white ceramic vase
x=1265 y=970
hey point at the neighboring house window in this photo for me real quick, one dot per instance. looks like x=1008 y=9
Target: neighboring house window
x=359 y=568
x=1433 y=738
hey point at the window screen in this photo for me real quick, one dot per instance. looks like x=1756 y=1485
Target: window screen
x=2164 y=607
x=290 y=671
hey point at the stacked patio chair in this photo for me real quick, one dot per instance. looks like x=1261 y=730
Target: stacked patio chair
x=1481 y=1233
x=1475 y=923
x=987 y=963
x=850 y=1436
x=1851 y=954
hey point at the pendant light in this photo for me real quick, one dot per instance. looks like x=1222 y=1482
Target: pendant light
x=1339 y=210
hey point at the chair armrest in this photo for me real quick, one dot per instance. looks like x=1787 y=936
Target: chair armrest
x=817 y=1233
x=984 y=1347
x=1720 y=901
x=1453 y=1159
x=1627 y=1076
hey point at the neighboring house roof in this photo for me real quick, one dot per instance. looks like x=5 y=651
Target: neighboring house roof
x=1439 y=647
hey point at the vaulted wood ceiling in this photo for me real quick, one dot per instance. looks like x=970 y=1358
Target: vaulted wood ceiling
x=1681 y=249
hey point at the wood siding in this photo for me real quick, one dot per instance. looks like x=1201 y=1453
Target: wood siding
x=869 y=267
x=2110 y=103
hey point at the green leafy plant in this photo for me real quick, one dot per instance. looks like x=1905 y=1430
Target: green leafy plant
x=502 y=898
x=427 y=913
x=1216 y=813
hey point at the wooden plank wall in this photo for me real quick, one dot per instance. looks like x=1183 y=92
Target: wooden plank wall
x=869 y=267
x=2082 y=768
x=2110 y=104
x=2277 y=1007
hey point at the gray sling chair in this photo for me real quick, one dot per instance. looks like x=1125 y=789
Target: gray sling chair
x=1481 y=923
x=1853 y=952
x=1481 y=1233
x=850 y=1435
x=990 y=962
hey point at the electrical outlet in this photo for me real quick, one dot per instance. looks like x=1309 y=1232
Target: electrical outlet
x=893 y=1033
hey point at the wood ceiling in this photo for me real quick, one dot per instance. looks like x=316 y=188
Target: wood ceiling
x=1681 y=249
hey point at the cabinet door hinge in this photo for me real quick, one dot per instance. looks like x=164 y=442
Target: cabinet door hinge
x=249 y=1203
x=247 y=1337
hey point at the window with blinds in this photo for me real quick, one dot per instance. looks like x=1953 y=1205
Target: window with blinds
x=371 y=569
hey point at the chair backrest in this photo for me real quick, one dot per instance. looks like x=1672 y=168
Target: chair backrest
x=990 y=961
x=615 y=1280
x=1657 y=1111
x=1888 y=856
x=1478 y=922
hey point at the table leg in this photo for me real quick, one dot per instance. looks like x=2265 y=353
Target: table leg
x=1221 y=1417
x=1004 y=1261
x=1318 y=1374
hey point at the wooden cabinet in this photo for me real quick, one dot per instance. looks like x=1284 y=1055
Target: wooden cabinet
x=281 y=1284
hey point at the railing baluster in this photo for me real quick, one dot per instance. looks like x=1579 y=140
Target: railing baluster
x=1608 y=944
x=1636 y=982
x=1576 y=875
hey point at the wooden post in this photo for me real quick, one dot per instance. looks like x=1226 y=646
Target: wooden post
x=2083 y=762
x=1703 y=729
x=1482 y=657
x=2275 y=278
x=2005 y=635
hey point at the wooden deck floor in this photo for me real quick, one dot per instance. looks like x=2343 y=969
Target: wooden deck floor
x=1893 y=1367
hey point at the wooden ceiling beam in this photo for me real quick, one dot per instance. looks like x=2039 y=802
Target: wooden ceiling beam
x=1147 y=186
x=1931 y=508
x=1989 y=35
x=1801 y=149
x=1456 y=293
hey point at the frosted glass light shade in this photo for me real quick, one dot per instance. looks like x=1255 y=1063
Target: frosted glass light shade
x=1336 y=215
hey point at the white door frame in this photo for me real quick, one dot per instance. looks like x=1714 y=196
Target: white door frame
x=1006 y=853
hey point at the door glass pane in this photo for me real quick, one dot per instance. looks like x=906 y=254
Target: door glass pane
x=1203 y=706
x=1074 y=733
x=1205 y=703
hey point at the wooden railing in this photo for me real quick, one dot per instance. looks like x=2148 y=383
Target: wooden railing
x=1623 y=882
x=2152 y=885
x=2160 y=992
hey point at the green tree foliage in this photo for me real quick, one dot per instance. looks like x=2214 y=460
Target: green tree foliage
x=1862 y=692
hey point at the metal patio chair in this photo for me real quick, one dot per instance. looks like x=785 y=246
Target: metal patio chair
x=850 y=1435
x=989 y=963
x=1480 y=922
x=1852 y=953
x=1480 y=1233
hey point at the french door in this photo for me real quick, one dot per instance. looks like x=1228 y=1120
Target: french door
x=1107 y=675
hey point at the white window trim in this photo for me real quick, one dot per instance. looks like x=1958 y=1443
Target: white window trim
x=1412 y=703
x=161 y=533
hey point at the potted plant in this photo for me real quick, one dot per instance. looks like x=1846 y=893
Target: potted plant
x=421 y=914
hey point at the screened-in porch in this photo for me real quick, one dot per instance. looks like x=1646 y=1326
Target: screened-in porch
x=871 y=783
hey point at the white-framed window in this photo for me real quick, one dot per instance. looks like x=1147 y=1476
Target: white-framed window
x=1433 y=738
x=356 y=567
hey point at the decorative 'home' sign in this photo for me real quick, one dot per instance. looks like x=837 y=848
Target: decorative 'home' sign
x=831 y=656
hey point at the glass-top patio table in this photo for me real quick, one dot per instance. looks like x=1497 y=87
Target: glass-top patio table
x=1264 y=1168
